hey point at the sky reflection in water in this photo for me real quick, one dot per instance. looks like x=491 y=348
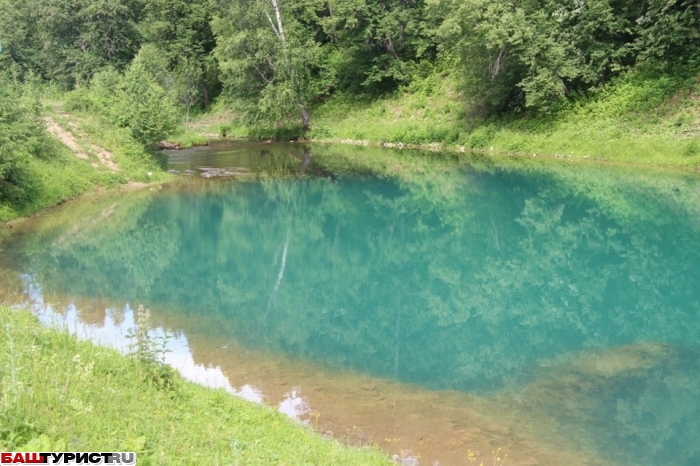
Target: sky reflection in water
x=114 y=333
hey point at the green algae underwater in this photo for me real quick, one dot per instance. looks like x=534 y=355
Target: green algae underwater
x=430 y=305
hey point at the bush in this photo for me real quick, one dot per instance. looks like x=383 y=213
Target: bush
x=137 y=100
x=277 y=133
x=693 y=148
x=146 y=110
x=22 y=137
x=79 y=100
x=482 y=137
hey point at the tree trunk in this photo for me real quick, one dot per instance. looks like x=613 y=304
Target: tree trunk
x=305 y=117
x=495 y=68
x=205 y=94
x=276 y=6
x=335 y=33
x=390 y=48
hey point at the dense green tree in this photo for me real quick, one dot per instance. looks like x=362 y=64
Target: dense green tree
x=142 y=99
x=66 y=40
x=146 y=107
x=181 y=30
x=280 y=57
x=268 y=60
x=277 y=59
x=373 y=46
x=535 y=52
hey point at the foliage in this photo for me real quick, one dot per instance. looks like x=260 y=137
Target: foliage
x=538 y=52
x=278 y=59
x=149 y=351
x=68 y=41
x=22 y=138
x=224 y=130
x=267 y=63
x=36 y=171
x=281 y=64
x=181 y=32
x=146 y=109
x=143 y=99
x=42 y=171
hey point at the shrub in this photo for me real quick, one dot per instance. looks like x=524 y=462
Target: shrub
x=22 y=137
x=482 y=137
x=146 y=109
x=278 y=133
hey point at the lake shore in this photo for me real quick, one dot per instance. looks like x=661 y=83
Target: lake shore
x=629 y=121
x=109 y=401
x=83 y=153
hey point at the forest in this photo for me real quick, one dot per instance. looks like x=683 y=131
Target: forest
x=147 y=65
x=277 y=59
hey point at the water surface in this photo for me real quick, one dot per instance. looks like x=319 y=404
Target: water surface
x=551 y=311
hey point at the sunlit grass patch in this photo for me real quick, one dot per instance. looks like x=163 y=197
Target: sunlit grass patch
x=190 y=139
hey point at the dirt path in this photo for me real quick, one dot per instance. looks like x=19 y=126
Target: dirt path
x=105 y=157
x=67 y=138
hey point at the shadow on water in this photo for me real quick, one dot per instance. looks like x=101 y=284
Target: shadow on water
x=549 y=311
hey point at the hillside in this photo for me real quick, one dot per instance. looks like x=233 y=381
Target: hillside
x=637 y=119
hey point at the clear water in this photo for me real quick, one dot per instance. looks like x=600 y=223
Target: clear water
x=564 y=302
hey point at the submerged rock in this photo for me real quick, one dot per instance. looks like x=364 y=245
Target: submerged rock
x=213 y=172
x=619 y=361
x=166 y=145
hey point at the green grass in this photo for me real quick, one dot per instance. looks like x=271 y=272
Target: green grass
x=57 y=179
x=134 y=161
x=427 y=111
x=63 y=393
x=60 y=175
x=646 y=119
x=189 y=139
x=217 y=120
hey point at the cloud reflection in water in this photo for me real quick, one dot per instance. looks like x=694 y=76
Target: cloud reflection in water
x=114 y=330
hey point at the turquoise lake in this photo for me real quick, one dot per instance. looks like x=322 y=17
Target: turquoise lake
x=550 y=310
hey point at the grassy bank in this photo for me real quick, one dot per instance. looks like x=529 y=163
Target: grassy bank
x=82 y=152
x=650 y=119
x=60 y=393
x=639 y=119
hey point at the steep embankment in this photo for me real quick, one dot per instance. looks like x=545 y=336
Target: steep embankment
x=81 y=153
x=104 y=157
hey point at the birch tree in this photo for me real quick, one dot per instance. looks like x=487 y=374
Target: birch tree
x=268 y=61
